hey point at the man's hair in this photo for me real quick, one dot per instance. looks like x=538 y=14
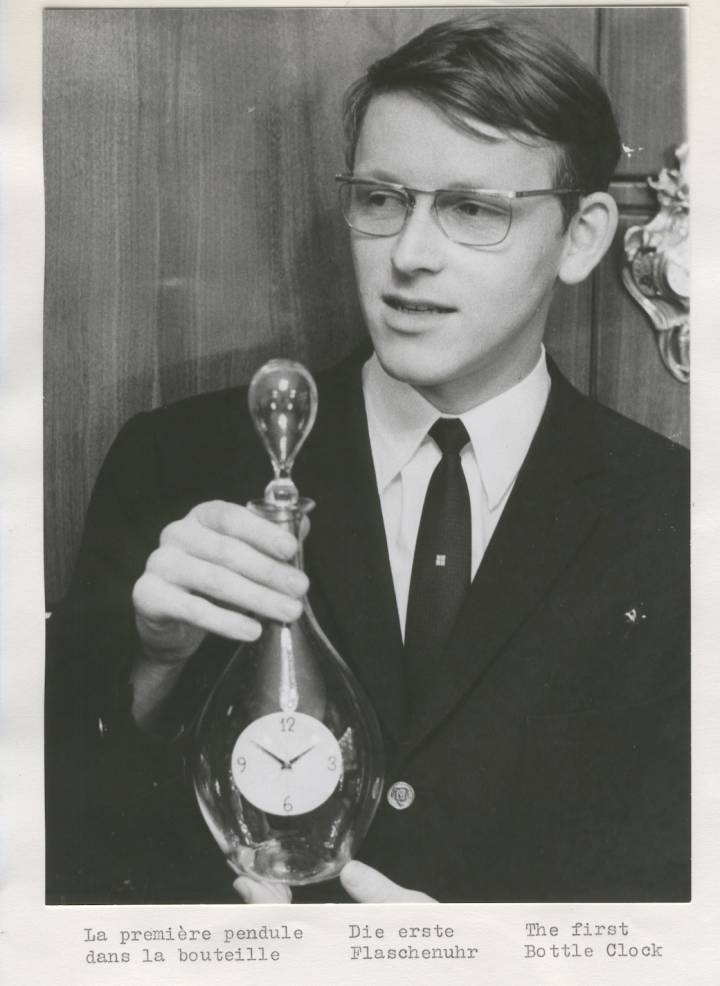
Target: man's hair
x=515 y=79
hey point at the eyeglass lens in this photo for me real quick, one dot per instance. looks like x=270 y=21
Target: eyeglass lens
x=465 y=217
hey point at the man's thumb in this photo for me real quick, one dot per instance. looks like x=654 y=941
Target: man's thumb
x=368 y=886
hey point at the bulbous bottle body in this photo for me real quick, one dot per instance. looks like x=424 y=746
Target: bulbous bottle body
x=288 y=766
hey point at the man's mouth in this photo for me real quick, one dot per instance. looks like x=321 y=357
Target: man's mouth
x=416 y=306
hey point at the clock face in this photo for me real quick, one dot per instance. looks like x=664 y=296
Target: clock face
x=286 y=763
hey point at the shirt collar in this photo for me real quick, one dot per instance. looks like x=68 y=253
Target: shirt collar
x=500 y=429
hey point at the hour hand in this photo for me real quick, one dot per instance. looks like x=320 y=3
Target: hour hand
x=286 y=765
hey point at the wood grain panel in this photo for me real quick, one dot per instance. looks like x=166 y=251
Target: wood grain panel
x=98 y=240
x=643 y=63
x=631 y=376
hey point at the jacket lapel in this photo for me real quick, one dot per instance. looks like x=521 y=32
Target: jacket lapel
x=550 y=512
x=346 y=555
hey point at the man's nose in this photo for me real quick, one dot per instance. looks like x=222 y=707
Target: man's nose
x=420 y=245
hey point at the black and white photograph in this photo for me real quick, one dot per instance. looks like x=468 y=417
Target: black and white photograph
x=366 y=404
x=359 y=529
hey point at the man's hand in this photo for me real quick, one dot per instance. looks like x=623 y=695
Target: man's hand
x=368 y=886
x=364 y=884
x=218 y=570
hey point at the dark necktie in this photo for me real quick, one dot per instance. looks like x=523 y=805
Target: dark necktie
x=441 y=564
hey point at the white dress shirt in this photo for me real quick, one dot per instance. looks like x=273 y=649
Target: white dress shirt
x=399 y=418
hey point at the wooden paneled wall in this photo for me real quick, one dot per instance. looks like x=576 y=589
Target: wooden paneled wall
x=192 y=230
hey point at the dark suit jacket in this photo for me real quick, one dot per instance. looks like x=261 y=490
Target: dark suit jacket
x=550 y=756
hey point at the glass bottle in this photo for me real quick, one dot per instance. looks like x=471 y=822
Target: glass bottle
x=288 y=767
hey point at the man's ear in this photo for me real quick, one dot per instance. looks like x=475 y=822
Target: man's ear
x=588 y=237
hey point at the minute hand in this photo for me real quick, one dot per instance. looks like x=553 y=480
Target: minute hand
x=295 y=759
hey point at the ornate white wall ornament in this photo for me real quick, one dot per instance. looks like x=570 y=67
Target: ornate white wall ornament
x=656 y=269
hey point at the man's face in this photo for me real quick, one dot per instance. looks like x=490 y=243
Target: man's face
x=459 y=323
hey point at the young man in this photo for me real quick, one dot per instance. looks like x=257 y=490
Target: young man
x=544 y=734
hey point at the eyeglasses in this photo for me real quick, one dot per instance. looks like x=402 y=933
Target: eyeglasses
x=470 y=216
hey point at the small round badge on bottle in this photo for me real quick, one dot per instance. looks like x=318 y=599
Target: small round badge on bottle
x=401 y=795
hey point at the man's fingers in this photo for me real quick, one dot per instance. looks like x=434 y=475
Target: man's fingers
x=238 y=522
x=221 y=585
x=234 y=555
x=368 y=886
x=256 y=892
x=158 y=603
x=221 y=569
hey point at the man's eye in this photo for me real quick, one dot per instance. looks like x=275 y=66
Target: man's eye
x=477 y=208
x=468 y=208
x=382 y=198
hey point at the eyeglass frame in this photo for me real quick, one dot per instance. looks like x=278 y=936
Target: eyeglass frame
x=409 y=194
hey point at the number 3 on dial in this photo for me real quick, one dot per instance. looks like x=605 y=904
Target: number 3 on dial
x=286 y=763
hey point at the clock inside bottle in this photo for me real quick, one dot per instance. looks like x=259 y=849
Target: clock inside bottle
x=289 y=767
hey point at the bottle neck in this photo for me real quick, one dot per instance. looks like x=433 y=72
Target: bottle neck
x=293 y=525
x=289 y=517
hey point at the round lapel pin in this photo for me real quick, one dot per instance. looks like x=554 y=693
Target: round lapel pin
x=401 y=795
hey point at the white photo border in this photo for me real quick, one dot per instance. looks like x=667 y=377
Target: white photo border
x=49 y=944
